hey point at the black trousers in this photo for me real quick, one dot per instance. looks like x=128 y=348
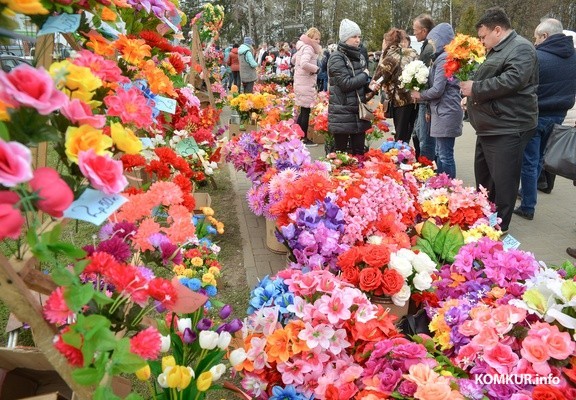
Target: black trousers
x=404 y=118
x=304 y=119
x=351 y=143
x=497 y=167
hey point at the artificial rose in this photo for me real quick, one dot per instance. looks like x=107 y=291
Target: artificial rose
x=402 y=296
x=401 y=264
x=78 y=112
x=376 y=255
x=30 y=87
x=547 y=392
x=125 y=139
x=55 y=195
x=559 y=344
x=423 y=263
x=422 y=281
x=76 y=81
x=501 y=358
x=392 y=282
x=15 y=163
x=351 y=274
x=350 y=257
x=83 y=138
x=11 y=219
x=103 y=172
x=370 y=279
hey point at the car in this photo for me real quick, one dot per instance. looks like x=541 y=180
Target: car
x=9 y=61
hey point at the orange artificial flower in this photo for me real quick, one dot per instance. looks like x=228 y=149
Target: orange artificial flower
x=133 y=50
x=277 y=346
x=99 y=44
x=108 y=14
x=293 y=329
x=157 y=79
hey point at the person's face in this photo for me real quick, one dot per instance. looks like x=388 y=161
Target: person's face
x=354 y=41
x=405 y=42
x=419 y=32
x=539 y=38
x=490 y=37
x=316 y=38
x=383 y=44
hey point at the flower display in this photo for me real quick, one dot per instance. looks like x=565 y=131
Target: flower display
x=414 y=76
x=464 y=55
x=209 y=21
x=250 y=106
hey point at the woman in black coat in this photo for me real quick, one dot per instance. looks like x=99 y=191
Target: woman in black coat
x=348 y=78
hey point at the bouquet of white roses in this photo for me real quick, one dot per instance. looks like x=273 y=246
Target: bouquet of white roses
x=414 y=76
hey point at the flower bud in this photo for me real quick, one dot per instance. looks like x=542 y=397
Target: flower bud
x=204 y=381
x=237 y=356
x=224 y=340
x=184 y=323
x=143 y=373
x=204 y=324
x=208 y=339
x=165 y=343
x=168 y=361
x=234 y=326
x=189 y=336
x=217 y=371
x=225 y=311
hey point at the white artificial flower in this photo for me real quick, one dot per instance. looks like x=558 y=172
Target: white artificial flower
x=184 y=323
x=401 y=264
x=423 y=263
x=400 y=298
x=162 y=378
x=165 y=343
x=374 y=239
x=406 y=253
x=224 y=340
x=237 y=356
x=208 y=339
x=422 y=281
x=217 y=371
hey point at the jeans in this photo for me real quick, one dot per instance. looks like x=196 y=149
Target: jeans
x=533 y=160
x=445 y=156
x=422 y=131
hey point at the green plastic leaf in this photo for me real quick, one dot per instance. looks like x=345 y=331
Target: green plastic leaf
x=454 y=241
x=93 y=323
x=80 y=266
x=4 y=134
x=133 y=396
x=72 y=338
x=104 y=393
x=68 y=249
x=101 y=299
x=429 y=231
x=570 y=269
x=78 y=296
x=424 y=246
x=62 y=276
x=105 y=340
x=87 y=376
x=124 y=360
x=438 y=245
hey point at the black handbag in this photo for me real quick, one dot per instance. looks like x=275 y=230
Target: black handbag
x=413 y=324
x=560 y=153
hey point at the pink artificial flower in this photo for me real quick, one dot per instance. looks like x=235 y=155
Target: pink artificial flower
x=487 y=337
x=559 y=345
x=338 y=342
x=146 y=343
x=55 y=194
x=467 y=355
x=335 y=308
x=293 y=372
x=11 y=219
x=501 y=358
x=26 y=86
x=534 y=350
x=103 y=172
x=80 y=113
x=131 y=106
x=107 y=70
x=56 y=310
x=315 y=336
x=15 y=163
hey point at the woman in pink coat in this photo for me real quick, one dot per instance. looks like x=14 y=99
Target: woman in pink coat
x=305 y=70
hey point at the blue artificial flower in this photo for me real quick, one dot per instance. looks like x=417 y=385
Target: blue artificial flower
x=211 y=290
x=287 y=393
x=194 y=284
x=211 y=230
x=206 y=242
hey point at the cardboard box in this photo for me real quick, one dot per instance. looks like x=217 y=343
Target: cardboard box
x=25 y=373
x=202 y=200
x=316 y=137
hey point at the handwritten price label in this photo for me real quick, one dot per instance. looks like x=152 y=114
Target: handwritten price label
x=493 y=219
x=165 y=104
x=186 y=147
x=510 y=243
x=94 y=206
x=64 y=23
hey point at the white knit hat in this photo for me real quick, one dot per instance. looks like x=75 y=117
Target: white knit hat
x=348 y=29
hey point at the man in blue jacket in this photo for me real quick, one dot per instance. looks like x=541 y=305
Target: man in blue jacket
x=503 y=109
x=556 y=94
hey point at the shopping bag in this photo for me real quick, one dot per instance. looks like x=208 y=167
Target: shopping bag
x=365 y=112
x=560 y=153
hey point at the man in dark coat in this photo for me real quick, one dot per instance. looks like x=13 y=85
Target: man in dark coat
x=556 y=94
x=348 y=78
x=503 y=109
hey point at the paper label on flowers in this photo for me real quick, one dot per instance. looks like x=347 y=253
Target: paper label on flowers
x=165 y=104
x=64 y=23
x=510 y=243
x=94 y=206
x=493 y=219
x=187 y=147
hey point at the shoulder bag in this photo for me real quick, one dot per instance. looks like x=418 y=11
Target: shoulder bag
x=364 y=111
x=560 y=153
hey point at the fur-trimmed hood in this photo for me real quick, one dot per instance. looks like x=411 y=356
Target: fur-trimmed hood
x=305 y=40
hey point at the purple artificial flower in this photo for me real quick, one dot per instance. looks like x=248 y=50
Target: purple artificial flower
x=204 y=324
x=470 y=389
x=407 y=388
x=157 y=239
x=234 y=326
x=170 y=253
x=124 y=229
x=116 y=247
x=389 y=379
x=225 y=311
x=189 y=336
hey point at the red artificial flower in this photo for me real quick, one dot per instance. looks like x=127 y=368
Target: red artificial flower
x=11 y=219
x=370 y=279
x=56 y=310
x=146 y=343
x=73 y=355
x=376 y=255
x=100 y=262
x=162 y=290
x=392 y=282
x=55 y=194
x=547 y=392
x=130 y=161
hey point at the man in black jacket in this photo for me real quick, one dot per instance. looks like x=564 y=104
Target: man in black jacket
x=503 y=109
x=556 y=94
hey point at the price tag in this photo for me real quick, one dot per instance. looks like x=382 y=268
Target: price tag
x=108 y=30
x=64 y=23
x=146 y=142
x=510 y=243
x=170 y=24
x=186 y=147
x=94 y=206
x=493 y=219
x=165 y=104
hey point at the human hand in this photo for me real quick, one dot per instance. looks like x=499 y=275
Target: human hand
x=374 y=86
x=415 y=95
x=463 y=103
x=466 y=88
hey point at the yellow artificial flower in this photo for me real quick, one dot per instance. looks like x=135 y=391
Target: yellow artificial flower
x=220 y=228
x=125 y=139
x=4 y=116
x=179 y=377
x=188 y=273
x=204 y=381
x=208 y=211
x=168 y=361
x=76 y=81
x=214 y=271
x=178 y=269
x=84 y=138
x=209 y=279
x=133 y=50
x=197 y=261
x=143 y=373
x=27 y=7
